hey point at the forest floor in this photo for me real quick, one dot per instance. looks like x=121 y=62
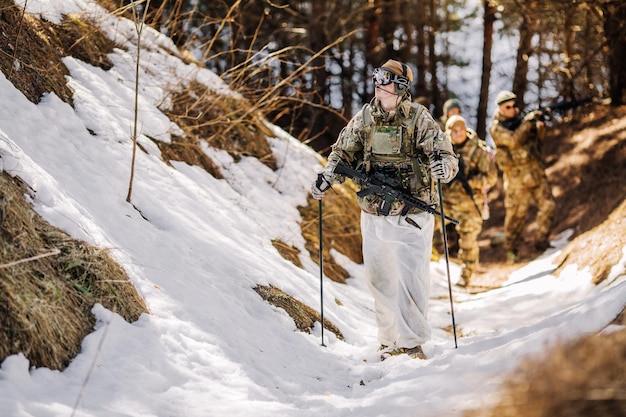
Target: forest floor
x=585 y=160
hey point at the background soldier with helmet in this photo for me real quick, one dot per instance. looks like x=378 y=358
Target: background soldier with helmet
x=464 y=196
x=525 y=181
x=451 y=107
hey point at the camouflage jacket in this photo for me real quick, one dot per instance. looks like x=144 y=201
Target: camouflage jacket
x=397 y=143
x=517 y=150
x=479 y=169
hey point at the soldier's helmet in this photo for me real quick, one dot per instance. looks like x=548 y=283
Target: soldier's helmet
x=453 y=120
x=450 y=104
x=504 y=96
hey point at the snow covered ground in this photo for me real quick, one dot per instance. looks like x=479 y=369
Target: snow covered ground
x=211 y=346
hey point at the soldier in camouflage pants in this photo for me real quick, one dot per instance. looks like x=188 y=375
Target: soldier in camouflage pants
x=464 y=196
x=518 y=156
x=393 y=136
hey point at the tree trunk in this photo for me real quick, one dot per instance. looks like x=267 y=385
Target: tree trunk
x=371 y=18
x=432 y=58
x=420 y=57
x=489 y=18
x=520 y=78
x=406 y=19
x=316 y=124
x=568 y=92
x=615 y=32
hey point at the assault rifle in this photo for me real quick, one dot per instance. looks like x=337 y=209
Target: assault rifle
x=545 y=112
x=466 y=186
x=388 y=188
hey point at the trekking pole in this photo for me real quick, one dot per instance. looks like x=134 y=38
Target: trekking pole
x=445 y=250
x=321 y=260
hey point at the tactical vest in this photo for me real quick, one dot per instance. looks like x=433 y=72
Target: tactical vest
x=392 y=149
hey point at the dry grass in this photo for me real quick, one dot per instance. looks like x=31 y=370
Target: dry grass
x=303 y=316
x=224 y=122
x=288 y=252
x=340 y=229
x=45 y=303
x=31 y=51
x=83 y=40
x=190 y=151
x=585 y=378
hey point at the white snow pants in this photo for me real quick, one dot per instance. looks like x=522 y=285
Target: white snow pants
x=397 y=269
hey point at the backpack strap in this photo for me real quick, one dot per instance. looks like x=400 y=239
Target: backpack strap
x=367 y=128
x=367 y=117
x=412 y=120
x=409 y=146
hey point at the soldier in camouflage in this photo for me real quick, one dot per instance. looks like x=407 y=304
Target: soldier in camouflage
x=451 y=107
x=464 y=197
x=399 y=138
x=525 y=182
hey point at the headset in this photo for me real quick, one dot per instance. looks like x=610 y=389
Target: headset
x=402 y=83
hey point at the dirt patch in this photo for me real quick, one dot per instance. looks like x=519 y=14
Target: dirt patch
x=600 y=248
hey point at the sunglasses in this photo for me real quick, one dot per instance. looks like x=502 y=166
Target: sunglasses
x=511 y=106
x=383 y=76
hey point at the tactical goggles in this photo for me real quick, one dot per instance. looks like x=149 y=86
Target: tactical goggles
x=384 y=76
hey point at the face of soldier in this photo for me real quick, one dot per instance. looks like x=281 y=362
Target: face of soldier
x=458 y=134
x=507 y=109
x=454 y=111
x=387 y=95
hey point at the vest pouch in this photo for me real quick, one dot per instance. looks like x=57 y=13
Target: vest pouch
x=387 y=140
x=422 y=179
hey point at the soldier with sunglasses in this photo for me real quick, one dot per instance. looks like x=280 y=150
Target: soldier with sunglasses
x=400 y=139
x=518 y=157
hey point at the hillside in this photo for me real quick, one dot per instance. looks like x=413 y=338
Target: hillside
x=199 y=293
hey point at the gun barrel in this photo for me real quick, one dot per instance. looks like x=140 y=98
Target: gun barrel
x=569 y=104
